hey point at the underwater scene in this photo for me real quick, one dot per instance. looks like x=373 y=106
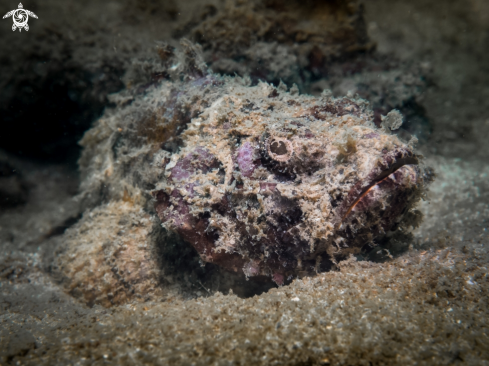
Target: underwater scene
x=244 y=182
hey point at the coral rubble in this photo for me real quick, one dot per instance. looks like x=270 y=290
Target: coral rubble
x=272 y=40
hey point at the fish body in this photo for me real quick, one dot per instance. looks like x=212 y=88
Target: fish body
x=262 y=181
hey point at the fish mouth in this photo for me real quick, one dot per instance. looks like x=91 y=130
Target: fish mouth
x=389 y=166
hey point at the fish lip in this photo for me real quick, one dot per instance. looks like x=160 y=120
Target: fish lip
x=388 y=165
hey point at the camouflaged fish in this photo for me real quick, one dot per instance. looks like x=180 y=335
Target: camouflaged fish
x=259 y=179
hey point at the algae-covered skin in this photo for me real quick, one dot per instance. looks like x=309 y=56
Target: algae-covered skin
x=108 y=258
x=261 y=181
x=276 y=184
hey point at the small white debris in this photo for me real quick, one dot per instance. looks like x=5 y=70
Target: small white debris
x=392 y=121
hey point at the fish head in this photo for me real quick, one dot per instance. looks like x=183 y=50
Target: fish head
x=283 y=187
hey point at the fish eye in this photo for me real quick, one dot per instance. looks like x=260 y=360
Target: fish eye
x=280 y=149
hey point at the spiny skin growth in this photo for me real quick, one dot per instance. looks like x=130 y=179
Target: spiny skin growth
x=261 y=181
x=276 y=184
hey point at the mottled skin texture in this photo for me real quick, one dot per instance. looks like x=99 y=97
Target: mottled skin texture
x=275 y=184
x=263 y=182
x=107 y=257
